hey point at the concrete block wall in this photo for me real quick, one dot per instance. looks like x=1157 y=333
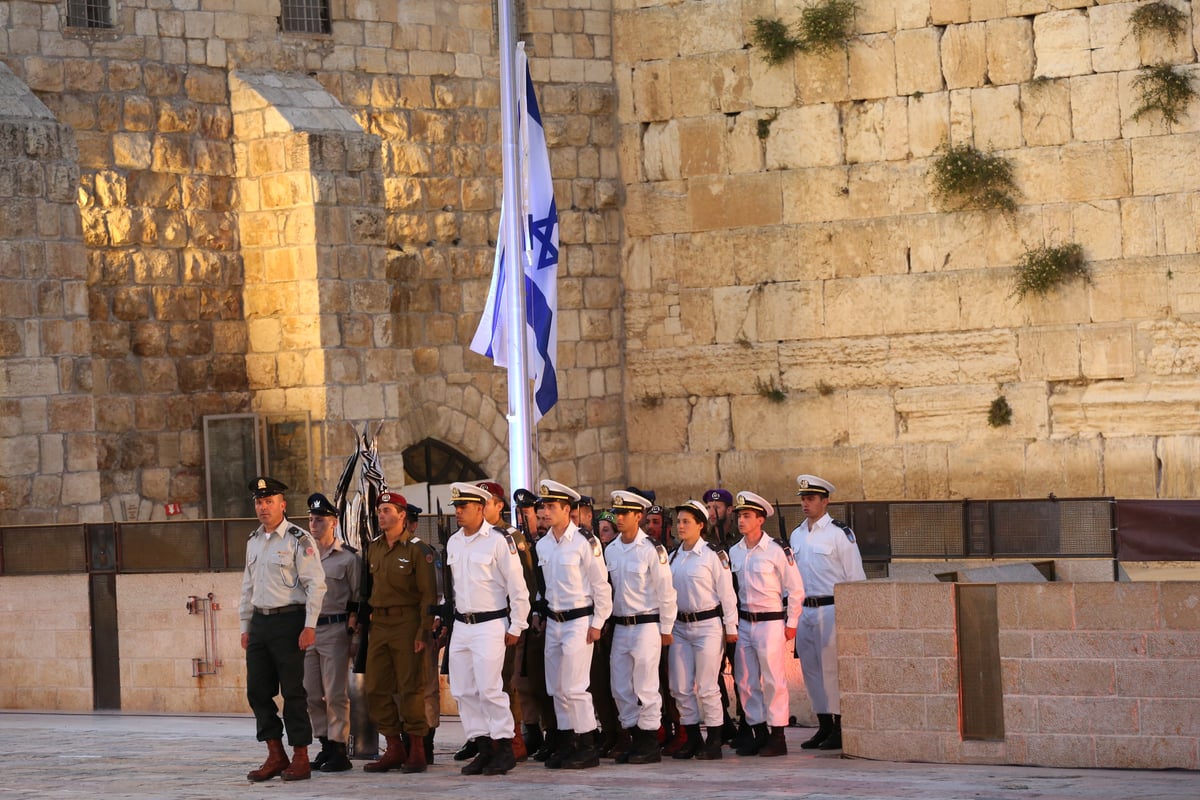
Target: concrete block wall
x=1094 y=674
x=815 y=260
x=45 y=644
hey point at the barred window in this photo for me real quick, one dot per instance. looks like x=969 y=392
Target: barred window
x=89 y=14
x=304 y=16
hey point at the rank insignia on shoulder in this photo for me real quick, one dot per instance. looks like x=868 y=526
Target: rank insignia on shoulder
x=662 y=553
x=846 y=530
x=724 y=557
x=787 y=552
x=512 y=543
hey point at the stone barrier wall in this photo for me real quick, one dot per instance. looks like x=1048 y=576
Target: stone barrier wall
x=1093 y=674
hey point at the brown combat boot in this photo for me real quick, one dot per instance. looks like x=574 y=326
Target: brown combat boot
x=392 y=758
x=520 y=752
x=416 y=761
x=299 y=769
x=276 y=763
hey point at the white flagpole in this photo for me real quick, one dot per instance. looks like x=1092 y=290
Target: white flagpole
x=521 y=464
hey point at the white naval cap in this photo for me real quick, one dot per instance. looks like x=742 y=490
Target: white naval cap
x=811 y=484
x=753 y=502
x=623 y=500
x=553 y=490
x=462 y=492
x=694 y=506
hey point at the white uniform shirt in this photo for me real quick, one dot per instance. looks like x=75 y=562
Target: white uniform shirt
x=641 y=580
x=765 y=577
x=825 y=556
x=702 y=581
x=487 y=576
x=283 y=568
x=575 y=574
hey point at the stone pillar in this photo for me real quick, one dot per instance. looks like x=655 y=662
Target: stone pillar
x=48 y=467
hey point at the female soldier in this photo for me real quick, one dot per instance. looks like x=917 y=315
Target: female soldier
x=707 y=619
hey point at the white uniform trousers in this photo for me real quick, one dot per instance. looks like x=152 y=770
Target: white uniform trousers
x=760 y=671
x=695 y=664
x=816 y=644
x=568 y=673
x=636 y=653
x=326 y=682
x=476 y=661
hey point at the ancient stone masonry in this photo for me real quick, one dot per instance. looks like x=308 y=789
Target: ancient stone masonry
x=293 y=224
x=781 y=234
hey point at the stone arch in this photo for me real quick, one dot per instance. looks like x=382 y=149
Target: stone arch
x=481 y=437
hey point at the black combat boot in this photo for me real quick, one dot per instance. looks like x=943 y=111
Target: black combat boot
x=712 y=745
x=549 y=744
x=645 y=747
x=694 y=743
x=338 y=760
x=834 y=740
x=756 y=743
x=824 y=728
x=325 y=753
x=468 y=751
x=585 y=755
x=564 y=746
x=483 y=756
x=776 y=744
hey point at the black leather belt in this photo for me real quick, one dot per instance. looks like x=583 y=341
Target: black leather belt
x=567 y=616
x=761 y=616
x=636 y=619
x=394 y=611
x=330 y=619
x=699 y=616
x=817 y=602
x=480 y=616
x=292 y=609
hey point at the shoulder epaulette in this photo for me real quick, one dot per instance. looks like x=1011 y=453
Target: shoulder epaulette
x=597 y=549
x=662 y=553
x=512 y=543
x=348 y=548
x=431 y=553
x=297 y=531
x=724 y=557
x=787 y=550
x=845 y=529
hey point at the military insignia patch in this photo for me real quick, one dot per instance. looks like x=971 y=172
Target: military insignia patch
x=721 y=554
x=662 y=553
x=512 y=545
x=428 y=558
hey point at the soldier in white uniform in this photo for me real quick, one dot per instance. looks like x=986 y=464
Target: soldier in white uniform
x=827 y=555
x=283 y=587
x=577 y=601
x=327 y=663
x=706 y=621
x=491 y=608
x=644 y=613
x=765 y=574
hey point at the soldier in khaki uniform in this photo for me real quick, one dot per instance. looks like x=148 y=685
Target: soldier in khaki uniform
x=402 y=590
x=283 y=587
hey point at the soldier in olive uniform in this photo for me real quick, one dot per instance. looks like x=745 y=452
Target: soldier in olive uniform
x=402 y=590
x=283 y=587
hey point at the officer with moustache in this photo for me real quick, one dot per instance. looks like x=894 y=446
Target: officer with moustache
x=827 y=554
x=283 y=587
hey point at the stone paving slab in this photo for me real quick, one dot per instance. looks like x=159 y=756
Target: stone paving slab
x=60 y=756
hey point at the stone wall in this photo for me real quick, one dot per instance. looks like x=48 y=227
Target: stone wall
x=1093 y=674
x=47 y=415
x=781 y=233
x=395 y=221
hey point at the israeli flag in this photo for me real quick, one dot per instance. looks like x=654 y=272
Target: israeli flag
x=539 y=234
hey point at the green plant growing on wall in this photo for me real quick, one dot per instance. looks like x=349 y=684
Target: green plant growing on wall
x=823 y=27
x=1166 y=90
x=1157 y=17
x=1043 y=268
x=1000 y=413
x=770 y=390
x=964 y=177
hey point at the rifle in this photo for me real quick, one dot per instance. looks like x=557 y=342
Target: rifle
x=446 y=595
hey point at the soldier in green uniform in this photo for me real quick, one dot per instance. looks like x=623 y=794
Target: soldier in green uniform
x=402 y=590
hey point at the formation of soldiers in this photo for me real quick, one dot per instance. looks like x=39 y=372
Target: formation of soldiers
x=569 y=637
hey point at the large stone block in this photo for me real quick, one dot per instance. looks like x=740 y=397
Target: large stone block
x=714 y=82
x=1177 y=456
x=807 y=136
x=1076 y=172
x=1045 y=112
x=964 y=55
x=1136 y=409
x=1064 y=467
x=985 y=467
x=1062 y=43
x=928 y=123
x=872 y=67
x=918 y=61
x=996 y=117
x=877 y=131
x=1114 y=48
x=822 y=77
x=1163 y=164
x=1009 y=50
x=734 y=201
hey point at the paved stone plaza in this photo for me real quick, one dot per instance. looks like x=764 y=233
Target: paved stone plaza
x=49 y=756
